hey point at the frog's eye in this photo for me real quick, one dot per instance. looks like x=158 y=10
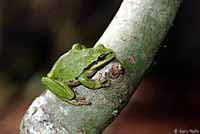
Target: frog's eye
x=102 y=56
x=78 y=46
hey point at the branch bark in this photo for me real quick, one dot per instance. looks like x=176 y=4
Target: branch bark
x=135 y=35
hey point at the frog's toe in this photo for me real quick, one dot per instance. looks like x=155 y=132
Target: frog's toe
x=107 y=83
x=99 y=77
x=103 y=79
x=79 y=101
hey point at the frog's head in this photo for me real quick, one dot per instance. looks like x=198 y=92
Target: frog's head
x=104 y=53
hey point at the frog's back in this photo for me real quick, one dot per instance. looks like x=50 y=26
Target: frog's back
x=70 y=65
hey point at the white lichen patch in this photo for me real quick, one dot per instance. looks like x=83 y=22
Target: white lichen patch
x=35 y=105
x=39 y=101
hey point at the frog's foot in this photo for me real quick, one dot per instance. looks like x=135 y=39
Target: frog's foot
x=107 y=83
x=99 y=82
x=79 y=101
x=103 y=80
x=73 y=83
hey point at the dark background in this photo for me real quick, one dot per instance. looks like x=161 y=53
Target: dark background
x=35 y=33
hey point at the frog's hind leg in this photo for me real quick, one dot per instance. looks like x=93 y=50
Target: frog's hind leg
x=58 y=88
x=92 y=84
x=65 y=93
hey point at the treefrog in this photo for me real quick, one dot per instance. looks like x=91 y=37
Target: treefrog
x=76 y=67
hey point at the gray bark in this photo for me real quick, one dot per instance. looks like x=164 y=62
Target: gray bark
x=135 y=35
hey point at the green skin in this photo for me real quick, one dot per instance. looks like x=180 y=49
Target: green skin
x=76 y=67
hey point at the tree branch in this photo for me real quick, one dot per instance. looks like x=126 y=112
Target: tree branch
x=135 y=35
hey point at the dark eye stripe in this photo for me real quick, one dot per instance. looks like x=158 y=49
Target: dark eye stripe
x=88 y=67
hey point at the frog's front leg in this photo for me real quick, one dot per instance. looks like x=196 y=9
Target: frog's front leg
x=92 y=84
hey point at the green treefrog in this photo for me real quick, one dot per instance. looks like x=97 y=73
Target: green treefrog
x=76 y=67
